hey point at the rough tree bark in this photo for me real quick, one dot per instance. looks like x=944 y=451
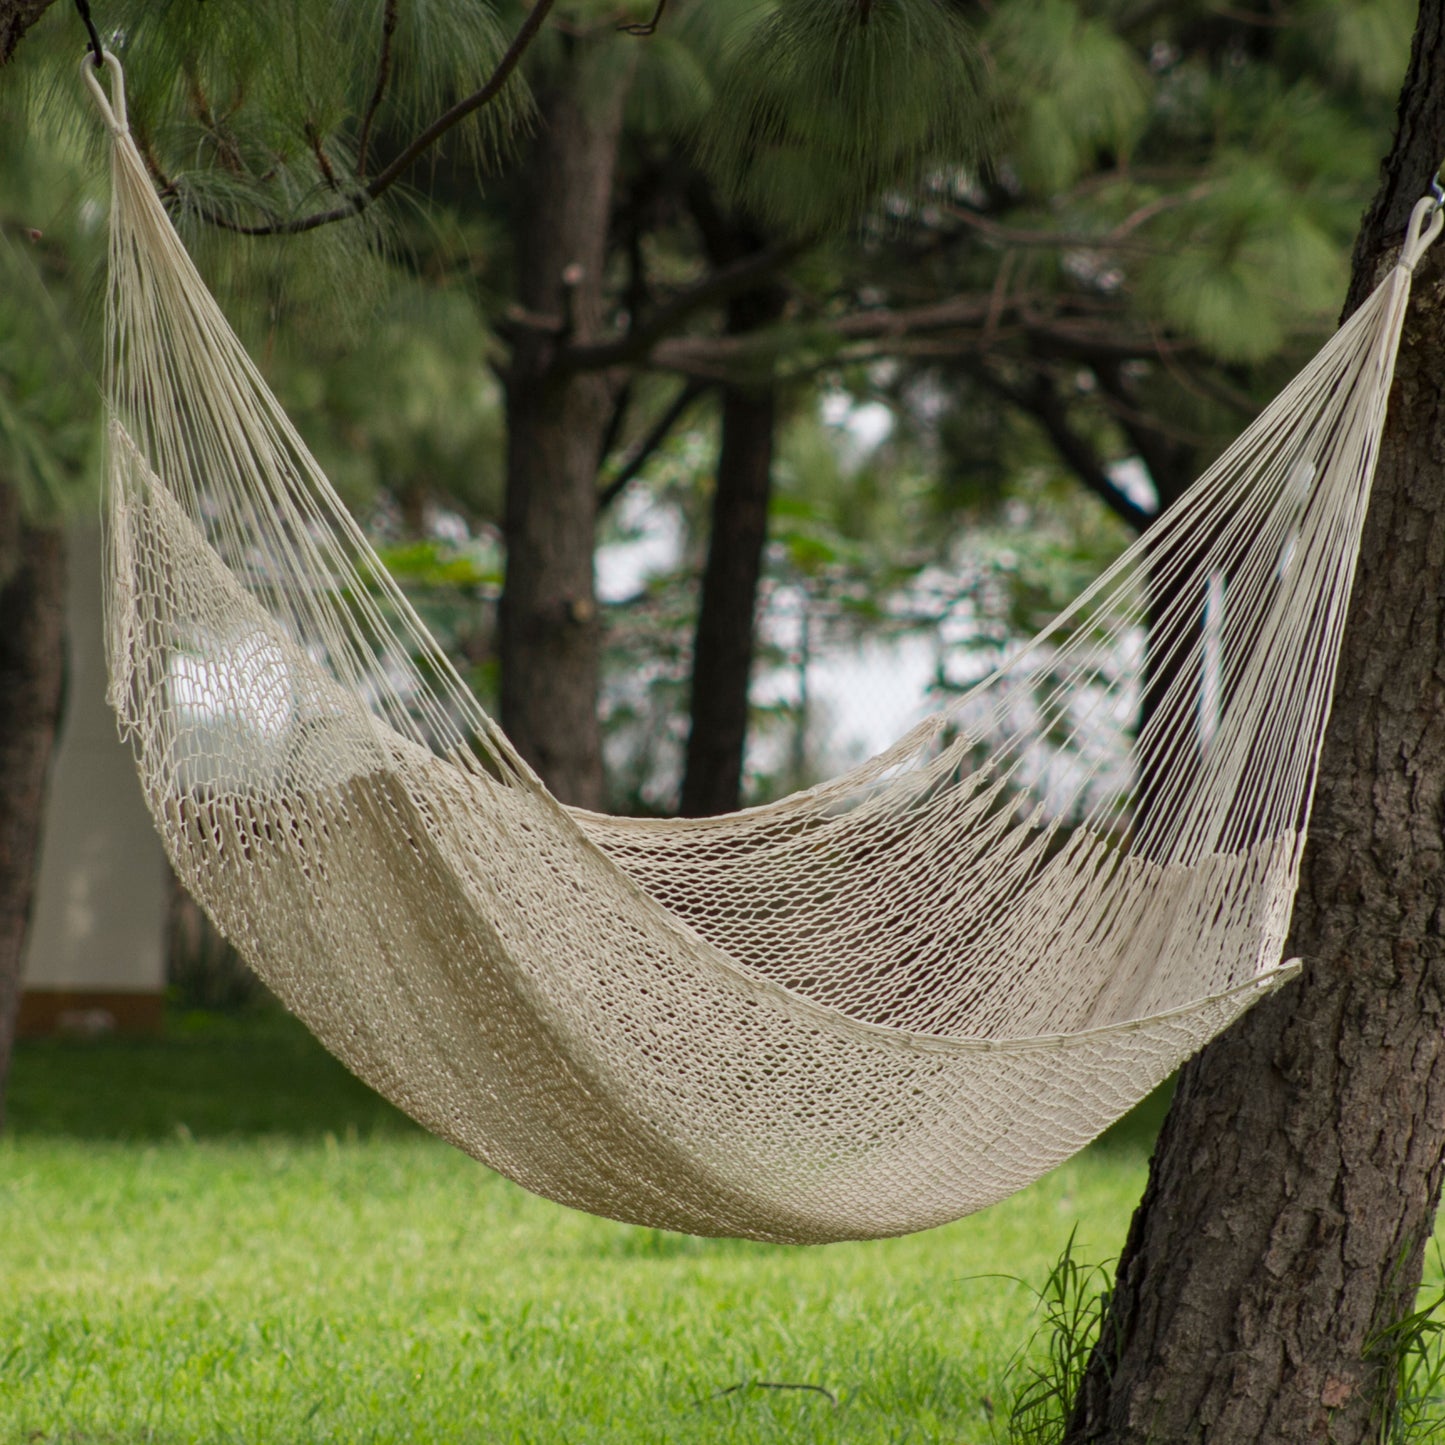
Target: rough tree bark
x=32 y=632
x=16 y=17
x=1295 y=1184
x=727 y=611
x=556 y=418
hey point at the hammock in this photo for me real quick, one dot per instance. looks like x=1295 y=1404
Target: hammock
x=867 y=1009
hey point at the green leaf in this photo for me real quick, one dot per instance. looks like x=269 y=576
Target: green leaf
x=1361 y=43
x=1243 y=266
x=1071 y=87
x=671 y=90
x=822 y=106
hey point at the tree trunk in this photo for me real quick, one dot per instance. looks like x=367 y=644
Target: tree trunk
x=1164 y=761
x=32 y=637
x=1295 y=1184
x=16 y=17
x=722 y=658
x=727 y=614
x=549 y=629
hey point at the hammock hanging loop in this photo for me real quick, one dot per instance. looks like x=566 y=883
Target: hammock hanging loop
x=112 y=107
x=1426 y=222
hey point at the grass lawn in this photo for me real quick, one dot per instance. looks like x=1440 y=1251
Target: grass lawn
x=221 y=1236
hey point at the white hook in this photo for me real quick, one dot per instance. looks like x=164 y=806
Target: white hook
x=112 y=107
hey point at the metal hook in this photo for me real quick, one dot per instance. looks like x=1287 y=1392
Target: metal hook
x=648 y=27
x=96 y=48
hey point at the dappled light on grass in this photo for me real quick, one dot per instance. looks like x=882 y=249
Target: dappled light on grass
x=221 y=1236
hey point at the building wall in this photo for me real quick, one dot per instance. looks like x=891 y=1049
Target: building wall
x=95 y=956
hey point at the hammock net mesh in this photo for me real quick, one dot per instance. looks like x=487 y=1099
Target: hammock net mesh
x=865 y=1009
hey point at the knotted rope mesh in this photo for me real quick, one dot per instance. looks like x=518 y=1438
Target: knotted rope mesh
x=866 y=1009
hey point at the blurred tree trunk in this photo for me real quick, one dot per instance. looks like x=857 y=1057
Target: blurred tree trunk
x=1173 y=654
x=550 y=634
x=32 y=668
x=727 y=611
x=1294 y=1187
x=204 y=970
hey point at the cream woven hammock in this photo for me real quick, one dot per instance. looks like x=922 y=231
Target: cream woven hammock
x=866 y=1009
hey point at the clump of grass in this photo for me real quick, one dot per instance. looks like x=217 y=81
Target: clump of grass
x=1411 y=1353
x=1073 y=1302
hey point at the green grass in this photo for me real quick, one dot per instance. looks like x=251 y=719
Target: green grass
x=221 y=1236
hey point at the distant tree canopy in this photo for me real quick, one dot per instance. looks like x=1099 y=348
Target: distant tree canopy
x=1049 y=235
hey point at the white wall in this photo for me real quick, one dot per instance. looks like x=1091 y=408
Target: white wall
x=99 y=917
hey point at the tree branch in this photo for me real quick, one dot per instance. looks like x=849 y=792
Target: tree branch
x=1169 y=452
x=771 y=1385
x=1081 y=338
x=621 y=405
x=1042 y=402
x=1085 y=328
x=1117 y=238
x=737 y=358
x=712 y=290
x=946 y=330
x=385 y=179
x=389 y=19
x=647 y=447
x=648 y=27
